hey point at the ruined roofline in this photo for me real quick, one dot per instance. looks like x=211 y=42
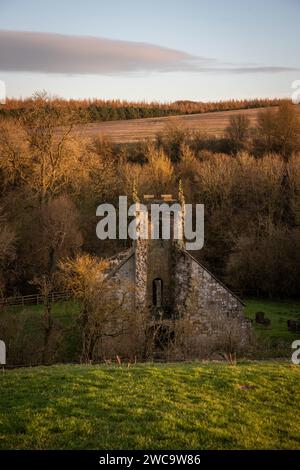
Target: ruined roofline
x=214 y=277
x=130 y=252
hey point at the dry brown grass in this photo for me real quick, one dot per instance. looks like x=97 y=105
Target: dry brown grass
x=135 y=130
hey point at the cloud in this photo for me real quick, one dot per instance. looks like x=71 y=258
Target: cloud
x=23 y=51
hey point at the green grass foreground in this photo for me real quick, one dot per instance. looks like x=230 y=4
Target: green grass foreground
x=168 y=406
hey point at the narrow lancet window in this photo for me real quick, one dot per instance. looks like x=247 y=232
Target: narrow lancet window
x=157 y=292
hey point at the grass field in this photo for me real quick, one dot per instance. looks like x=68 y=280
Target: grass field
x=174 y=406
x=135 y=130
x=278 y=312
x=62 y=311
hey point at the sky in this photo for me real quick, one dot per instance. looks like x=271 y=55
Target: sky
x=163 y=50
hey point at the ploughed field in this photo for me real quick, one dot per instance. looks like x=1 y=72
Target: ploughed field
x=135 y=130
x=146 y=406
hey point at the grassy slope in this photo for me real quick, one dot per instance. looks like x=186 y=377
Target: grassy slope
x=278 y=312
x=182 y=406
x=64 y=312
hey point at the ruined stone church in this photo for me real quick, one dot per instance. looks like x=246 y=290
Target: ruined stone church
x=171 y=284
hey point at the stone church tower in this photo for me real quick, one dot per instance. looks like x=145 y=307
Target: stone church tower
x=171 y=284
x=155 y=264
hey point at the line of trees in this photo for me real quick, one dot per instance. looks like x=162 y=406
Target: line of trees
x=95 y=110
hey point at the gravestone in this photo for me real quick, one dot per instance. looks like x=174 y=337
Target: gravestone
x=261 y=319
x=293 y=325
x=2 y=353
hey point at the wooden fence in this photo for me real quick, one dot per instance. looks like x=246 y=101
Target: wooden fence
x=33 y=299
x=37 y=299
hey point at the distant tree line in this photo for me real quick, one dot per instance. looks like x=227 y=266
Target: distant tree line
x=96 y=110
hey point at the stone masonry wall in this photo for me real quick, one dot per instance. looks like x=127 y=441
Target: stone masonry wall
x=124 y=278
x=140 y=275
x=206 y=303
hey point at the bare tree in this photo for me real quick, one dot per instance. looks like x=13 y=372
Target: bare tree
x=278 y=131
x=237 y=132
x=38 y=148
x=7 y=248
x=49 y=326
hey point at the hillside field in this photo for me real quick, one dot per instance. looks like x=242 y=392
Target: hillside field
x=135 y=130
x=162 y=406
